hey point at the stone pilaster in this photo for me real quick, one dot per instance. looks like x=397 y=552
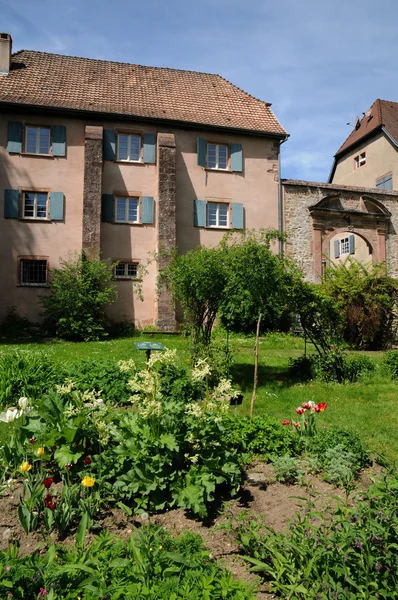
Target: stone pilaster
x=92 y=190
x=166 y=223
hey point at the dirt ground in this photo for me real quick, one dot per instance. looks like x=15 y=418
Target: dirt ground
x=276 y=504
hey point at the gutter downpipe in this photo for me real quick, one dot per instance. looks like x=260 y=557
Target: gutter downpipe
x=280 y=199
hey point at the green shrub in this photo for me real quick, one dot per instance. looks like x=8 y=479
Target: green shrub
x=348 y=441
x=264 y=436
x=152 y=564
x=287 y=469
x=366 y=296
x=357 y=366
x=26 y=373
x=334 y=366
x=101 y=375
x=302 y=367
x=79 y=291
x=390 y=363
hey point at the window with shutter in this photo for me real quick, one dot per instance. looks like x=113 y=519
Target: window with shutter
x=37 y=140
x=34 y=205
x=219 y=157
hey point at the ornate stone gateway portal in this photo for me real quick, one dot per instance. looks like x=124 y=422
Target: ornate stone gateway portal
x=328 y=223
x=343 y=228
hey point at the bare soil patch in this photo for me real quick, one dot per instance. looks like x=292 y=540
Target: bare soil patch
x=275 y=503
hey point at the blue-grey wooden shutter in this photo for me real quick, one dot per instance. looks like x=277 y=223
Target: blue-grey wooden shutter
x=202 y=150
x=11 y=204
x=147 y=209
x=58 y=135
x=149 y=155
x=57 y=206
x=109 y=142
x=352 y=244
x=15 y=136
x=336 y=248
x=199 y=213
x=107 y=208
x=236 y=158
x=237 y=215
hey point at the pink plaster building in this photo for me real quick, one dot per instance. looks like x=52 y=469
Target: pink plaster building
x=124 y=160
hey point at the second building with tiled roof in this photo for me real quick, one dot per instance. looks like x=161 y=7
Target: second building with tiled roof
x=369 y=156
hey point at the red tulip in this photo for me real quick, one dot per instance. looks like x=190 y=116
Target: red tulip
x=306 y=405
x=316 y=408
x=48 y=482
x=322 y=406
x=87 y=460
x=300 y=410
x=296 y=424
x=286 y=422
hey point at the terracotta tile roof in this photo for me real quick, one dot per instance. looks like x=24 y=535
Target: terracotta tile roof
x=381 y=113
x=52 y=80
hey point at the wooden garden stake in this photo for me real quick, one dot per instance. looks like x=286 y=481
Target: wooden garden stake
x=255 y=366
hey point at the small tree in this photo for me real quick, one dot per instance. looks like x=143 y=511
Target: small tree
x=197 y=281
x=80 y=290
x=366 y=297
x=258 y=281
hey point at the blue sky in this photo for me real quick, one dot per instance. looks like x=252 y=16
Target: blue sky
x=319 y=63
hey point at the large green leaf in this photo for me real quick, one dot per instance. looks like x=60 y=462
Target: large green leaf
x=64 y=455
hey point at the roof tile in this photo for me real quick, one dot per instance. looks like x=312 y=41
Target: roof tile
x=381 y=113
x=51 y=80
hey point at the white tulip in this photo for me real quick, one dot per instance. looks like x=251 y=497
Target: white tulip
x=23 y=402
x=10 y=415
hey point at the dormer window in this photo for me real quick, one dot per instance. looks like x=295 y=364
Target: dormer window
x=360 y=160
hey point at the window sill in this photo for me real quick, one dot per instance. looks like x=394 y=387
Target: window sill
x=210 y=170
x=217 y=228
x=34 y=220
x=33 y=285
x=127 y=223
x=130 y=162
x=37 y=155
x=131 y=279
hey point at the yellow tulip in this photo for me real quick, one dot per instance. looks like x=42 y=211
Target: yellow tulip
x=40 y=452
x=25 y=467
x=88 y=481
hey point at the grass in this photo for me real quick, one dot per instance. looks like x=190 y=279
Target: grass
x=369 y=408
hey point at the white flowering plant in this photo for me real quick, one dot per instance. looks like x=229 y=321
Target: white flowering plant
x=168 y=451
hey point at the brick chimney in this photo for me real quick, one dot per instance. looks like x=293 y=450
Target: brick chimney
x=5 y=53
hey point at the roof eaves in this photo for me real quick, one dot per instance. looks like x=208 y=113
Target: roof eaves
x=390 y=137
x=39 y=108
x=358 y=141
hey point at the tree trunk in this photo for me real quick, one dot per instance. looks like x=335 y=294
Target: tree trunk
x=255 y=366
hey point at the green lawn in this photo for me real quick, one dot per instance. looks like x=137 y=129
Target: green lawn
x=369 y=408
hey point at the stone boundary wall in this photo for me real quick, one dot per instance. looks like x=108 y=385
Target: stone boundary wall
x=304 y=244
